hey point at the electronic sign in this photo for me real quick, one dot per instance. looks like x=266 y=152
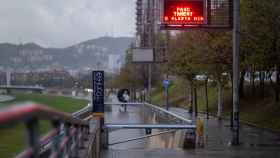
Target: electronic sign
x=184 y=12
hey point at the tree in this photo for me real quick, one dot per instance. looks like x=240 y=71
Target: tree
x=260 y=39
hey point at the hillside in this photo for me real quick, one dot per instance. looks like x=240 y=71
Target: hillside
x=85 y=55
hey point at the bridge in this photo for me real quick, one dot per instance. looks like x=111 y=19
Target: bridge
x=10 y=88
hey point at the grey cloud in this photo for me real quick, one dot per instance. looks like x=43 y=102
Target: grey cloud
x=60 y=23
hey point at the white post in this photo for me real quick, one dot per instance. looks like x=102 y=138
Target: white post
x=8 y=78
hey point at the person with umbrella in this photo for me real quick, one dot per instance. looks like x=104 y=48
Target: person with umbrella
x=123 y=96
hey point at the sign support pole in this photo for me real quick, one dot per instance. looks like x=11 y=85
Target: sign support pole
x=236 y=51
x=167 y=97
x=150 y=83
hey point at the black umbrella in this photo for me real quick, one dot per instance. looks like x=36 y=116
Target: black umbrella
x=120 y=95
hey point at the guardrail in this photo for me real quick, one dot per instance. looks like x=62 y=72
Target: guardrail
x=180 y=123
x=149 y=126
x=67 y=139
x=162 y=110
x=82 y=112
x=158 y=109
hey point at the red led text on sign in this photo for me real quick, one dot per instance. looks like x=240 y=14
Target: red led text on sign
x=183 y=12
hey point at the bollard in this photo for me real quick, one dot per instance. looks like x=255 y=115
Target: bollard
x=33 y=136
x=125 y=107
x=105 y=136
x=190 y=139
x=148 y=131
x=200 y=133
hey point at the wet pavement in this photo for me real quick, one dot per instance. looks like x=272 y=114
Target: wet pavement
x=254 y=142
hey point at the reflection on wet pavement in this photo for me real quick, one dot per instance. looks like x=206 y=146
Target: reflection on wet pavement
x=255 y=142
x=139 y=114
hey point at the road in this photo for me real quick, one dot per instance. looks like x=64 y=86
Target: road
x=255 y=142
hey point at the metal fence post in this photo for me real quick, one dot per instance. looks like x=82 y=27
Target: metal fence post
x=98 y=137
x=67 y=135
x=106 y=138
x=81 y=137
x=56 y=140
x=33 y=136
x=76 y=141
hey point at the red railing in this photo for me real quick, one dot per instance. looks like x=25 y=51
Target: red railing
x=65 y=140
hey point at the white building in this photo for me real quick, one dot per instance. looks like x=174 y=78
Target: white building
x=114 y=63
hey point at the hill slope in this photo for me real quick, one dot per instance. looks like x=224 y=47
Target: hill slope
x=85 y=55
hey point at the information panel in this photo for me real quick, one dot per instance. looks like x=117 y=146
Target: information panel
x=184 y=12
x=142 y=55
x=98 y=92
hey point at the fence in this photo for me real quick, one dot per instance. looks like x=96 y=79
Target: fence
x=70 y=137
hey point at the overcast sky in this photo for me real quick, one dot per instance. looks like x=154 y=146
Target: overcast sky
x=61 y=23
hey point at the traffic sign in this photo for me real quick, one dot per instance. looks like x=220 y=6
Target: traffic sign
x=166 y=83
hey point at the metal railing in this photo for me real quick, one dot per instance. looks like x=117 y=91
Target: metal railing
x=82 y=112
x=68 y=138
x=178 y=123
x=149 y=126
x=169 y=113
x=159 y=110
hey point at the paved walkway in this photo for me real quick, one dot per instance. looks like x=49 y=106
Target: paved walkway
x=256 y=143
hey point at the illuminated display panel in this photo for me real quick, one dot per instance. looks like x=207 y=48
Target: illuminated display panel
x=184 y=12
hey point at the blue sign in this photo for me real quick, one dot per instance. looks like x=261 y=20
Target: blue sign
x=98 y=91
x=166 y=83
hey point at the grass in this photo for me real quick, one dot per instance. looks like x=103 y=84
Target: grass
x=178 y=93
x=13 y=139
x=262 y=112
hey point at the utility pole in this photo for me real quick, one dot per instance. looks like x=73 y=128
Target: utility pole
x=145 y=26
x=150 y=83
x=151 y=38
x=236 y=51
x=167 y=33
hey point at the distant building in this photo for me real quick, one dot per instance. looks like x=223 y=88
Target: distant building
x=115 y=62
x=2 y=78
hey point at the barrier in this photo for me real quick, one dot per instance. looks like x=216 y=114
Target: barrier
x=69 y=137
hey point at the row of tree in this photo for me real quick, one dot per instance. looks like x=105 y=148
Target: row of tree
x=208 y=53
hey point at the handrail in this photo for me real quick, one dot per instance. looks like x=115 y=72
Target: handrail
x=68 y=142
x=82 y=111
x=150 y=126
x=156 y=108
x=31 y=110
x=170 y=113
x=47 y=139
x=121 y=103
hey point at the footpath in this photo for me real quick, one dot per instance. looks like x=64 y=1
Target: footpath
x=255 y=142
